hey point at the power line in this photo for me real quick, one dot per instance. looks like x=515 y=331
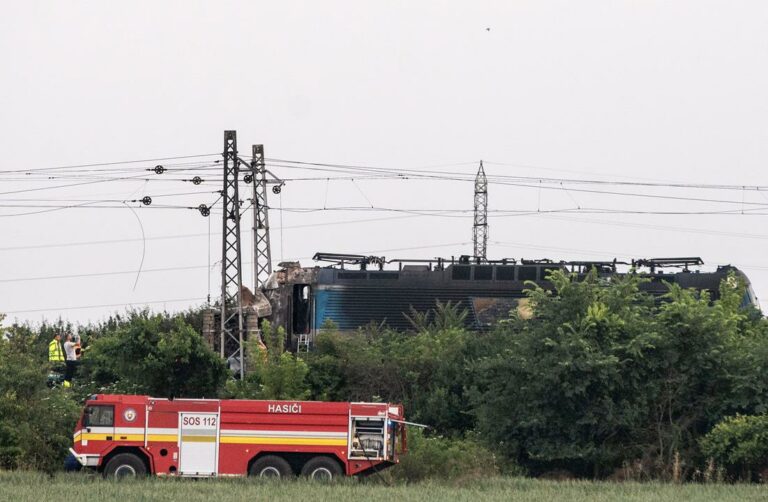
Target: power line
x=153 y=195
x=443 y=213
x=519 y=181
x=500 y=213
x=631 y=194
x=186 y=236
x=25 y=190
x=111 y=176
x=108 y=305
x=113 y=163
x=99 y=274
x=394 y=172
x=469 y=176
x=371 y=220
x=193 y=267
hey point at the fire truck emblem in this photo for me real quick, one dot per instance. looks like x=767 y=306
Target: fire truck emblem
x=129 y=415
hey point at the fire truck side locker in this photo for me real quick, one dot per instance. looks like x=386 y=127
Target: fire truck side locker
x=198 y=444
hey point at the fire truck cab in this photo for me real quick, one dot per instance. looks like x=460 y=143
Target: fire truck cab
x=128 y=436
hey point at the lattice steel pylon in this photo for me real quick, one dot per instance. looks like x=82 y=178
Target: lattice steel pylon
x=231 y=343
x=480 y=228
x=262 y=252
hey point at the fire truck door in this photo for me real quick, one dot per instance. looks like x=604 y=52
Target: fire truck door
x=198 y=443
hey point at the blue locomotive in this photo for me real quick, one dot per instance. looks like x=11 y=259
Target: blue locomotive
x=355 y=290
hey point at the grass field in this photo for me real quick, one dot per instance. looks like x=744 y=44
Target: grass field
x=26 y=486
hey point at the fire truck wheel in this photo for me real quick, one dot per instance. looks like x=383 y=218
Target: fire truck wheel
x=322 y=469
x=125 y=465
x=271 y=466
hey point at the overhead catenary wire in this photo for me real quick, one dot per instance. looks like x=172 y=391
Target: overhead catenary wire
x=542 y=183
x=107 y=305
x=442 y=213
x=184 y=268
x=559 y=183
x=469 y=176
x=110 y=163
x=105 y=200
x=671 y=228
x=143 y=245
x=209 y=173
x=356 y=168
x=466 y=213
x=401 y=172
x=194 y=235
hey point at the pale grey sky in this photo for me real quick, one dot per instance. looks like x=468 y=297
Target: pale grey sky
x=632 y=91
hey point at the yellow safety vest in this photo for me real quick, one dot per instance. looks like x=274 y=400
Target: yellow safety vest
x=55 y=354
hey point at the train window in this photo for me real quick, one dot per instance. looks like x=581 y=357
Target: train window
x=527 y=273
x=505 y=273
x=385 y=275
x=483 y=273
x=302 y=309
x=460 y=273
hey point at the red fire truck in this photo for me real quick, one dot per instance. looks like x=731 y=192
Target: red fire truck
x=125 y=435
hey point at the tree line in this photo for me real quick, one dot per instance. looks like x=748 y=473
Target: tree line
x=598 y=379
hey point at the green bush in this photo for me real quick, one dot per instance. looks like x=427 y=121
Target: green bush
x=602 y=375
x=444 y=458
x=425 y=370
x=274 y=374
x=152 y=354
x=36 y=422
x=739 y=443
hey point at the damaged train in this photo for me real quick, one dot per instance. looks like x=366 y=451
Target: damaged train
x=352 y=291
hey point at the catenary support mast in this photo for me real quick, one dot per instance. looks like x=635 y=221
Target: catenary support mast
x=480 y=228
x=231 y=343
x=262 y=254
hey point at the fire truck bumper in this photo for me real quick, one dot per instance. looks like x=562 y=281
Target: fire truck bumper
x=86 y=459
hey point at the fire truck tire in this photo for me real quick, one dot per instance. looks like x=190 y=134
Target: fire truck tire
x=125 y=465
x=322 y=469
x=271 y=466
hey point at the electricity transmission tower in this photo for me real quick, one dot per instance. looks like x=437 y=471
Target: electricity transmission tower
x=231 y=327
x=480 y=228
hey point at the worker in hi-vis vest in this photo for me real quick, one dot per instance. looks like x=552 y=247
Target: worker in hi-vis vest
x=55 y=353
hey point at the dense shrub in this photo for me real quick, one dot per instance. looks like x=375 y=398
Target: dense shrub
x=740 y=443
x=272 y=373
x=444 y=458
x=601 y=376
x=36 y=422
x=153 y=354
x=427 y=370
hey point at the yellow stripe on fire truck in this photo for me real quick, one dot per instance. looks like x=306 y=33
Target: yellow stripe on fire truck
x=314 y=438
x=169 y=435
